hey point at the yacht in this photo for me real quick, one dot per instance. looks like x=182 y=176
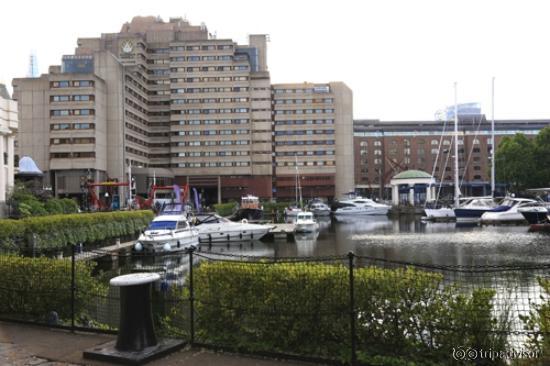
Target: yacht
x=216 y=229
x=319 y=208
x=168 y=232
x=507 y=211
x=472 y=208
x=361 y=206
x=305 y=223
x=536 y=213
x=292 y=211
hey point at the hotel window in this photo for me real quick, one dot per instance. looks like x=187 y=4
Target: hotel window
x=377 y=152
x=446 y=142
x=434 y=151
x=476 y=142
x=435 y=142
x=377 y=161
x=407 y=160
x=407 y=151
x=377 y=143
x=477 y=177
x=363 y=143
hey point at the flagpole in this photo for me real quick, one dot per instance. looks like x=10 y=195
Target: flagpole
x=493 y=143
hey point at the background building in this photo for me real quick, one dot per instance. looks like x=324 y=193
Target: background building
x=167 y=102
x=8 y=130
x=384 y=148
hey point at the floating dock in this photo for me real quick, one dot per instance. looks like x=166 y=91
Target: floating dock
x=281 y=232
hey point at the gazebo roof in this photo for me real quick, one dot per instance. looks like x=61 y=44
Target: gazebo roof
x=412 y=174
x=28 y=167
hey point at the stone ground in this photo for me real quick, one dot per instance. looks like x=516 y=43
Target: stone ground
x=28 y=345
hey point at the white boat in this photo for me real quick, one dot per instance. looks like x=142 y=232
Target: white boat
x=216 y=229
x=319 y=208
x=536 y=213
x=361 y=206
x=292 y=211
x=440 y=214
x=168 y=232
x=473 y=208
x=305 y=223
x=507 y=211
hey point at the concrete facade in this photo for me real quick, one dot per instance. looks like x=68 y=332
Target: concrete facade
x=313 y=128
x=8 y=131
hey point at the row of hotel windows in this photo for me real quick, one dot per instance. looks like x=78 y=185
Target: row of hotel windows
x=406 y=142
x=308 y=142
x=72 y=155
x=210 y=68
x=196 y=122
x=71 y=84
x=209 y=47
x=306 y=122
x=214 y=164
x=202 y=58
x=72 y=126
x=209 y=90
x=72 y=98
x=213 y=153
x=206 y=79
x=211 y=111
x=210 y=100
x=305 y=111
x=304 y=132
x=317 y=89
x=212 y=132
x=304 y=101
x=302 y=153
x=214 y=143
x=72 y=112
x=306 y=163
x=73 y=140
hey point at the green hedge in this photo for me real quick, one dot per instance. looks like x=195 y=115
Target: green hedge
x=538 y=322
x=404 y=315
x=34 y=287
x=55 y=232
x=225 y=209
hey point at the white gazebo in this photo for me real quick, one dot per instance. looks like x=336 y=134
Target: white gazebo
x=412 y=187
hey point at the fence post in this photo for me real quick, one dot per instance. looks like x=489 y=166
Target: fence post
x=73 y=285
x=352 y=319
x=191 y=298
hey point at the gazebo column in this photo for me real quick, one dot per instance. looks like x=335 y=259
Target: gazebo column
x=395 y=194
x=411 y=194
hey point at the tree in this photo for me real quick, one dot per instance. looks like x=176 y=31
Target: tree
x=515 y=163
x=542 y=155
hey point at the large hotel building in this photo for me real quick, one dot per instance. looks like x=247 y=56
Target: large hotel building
x=173 y=104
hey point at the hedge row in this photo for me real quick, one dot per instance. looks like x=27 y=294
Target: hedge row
x=403 y=315
x=35 y=287
x=57 y=231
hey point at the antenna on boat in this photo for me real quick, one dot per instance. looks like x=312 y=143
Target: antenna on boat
x=493 y=144
x=457 y=189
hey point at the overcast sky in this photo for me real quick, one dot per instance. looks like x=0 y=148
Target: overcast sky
x=399 y=57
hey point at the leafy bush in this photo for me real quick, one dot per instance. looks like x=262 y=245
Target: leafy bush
x=34 y=287
x=538 y=322
x=225 y=209
x=404 y=316
x=57 y=231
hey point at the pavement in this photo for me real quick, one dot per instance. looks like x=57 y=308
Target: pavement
x=22 y=345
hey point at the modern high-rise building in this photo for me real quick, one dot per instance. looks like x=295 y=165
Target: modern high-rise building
x=167 y=102
x=8 y=131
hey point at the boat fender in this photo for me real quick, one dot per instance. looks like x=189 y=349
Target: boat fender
x=138 y=247
x=241 y=235
x=244 y=221
x=210 y=238
x=228 y=237
x=179 y=244
x=251 y=235
x=166 y=247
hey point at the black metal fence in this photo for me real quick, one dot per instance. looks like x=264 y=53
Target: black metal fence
x=342 y=309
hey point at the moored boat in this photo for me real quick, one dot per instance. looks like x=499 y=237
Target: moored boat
x=213 y=228
x=507 y=211
x=305 y=223
x=360 y=206
x=473 y=208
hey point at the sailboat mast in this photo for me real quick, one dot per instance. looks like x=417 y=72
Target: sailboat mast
x=493 y=144
x=296 y=165
x=457 y=188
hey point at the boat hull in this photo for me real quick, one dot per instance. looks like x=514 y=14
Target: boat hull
x=440 y=214
x=535 y=215
x=472 y=214
x=232 y=235
x=306 y=227
x=362 y=211
x=168 y=243
x=502 y=218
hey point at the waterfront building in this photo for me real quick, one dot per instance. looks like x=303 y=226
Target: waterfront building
x=313 y=140
x=384 y=148
x=8 y=130
x=169 y=103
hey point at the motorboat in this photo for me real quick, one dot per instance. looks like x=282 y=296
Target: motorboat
x=361 y=206
x=440 y=214
x=472 y=208
x=168 y=232
x=305 y=223
x=216 y=229
x=249 y=209
x=293 y=211
x=536 y=213
x=507 y=211
x=319 y=208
